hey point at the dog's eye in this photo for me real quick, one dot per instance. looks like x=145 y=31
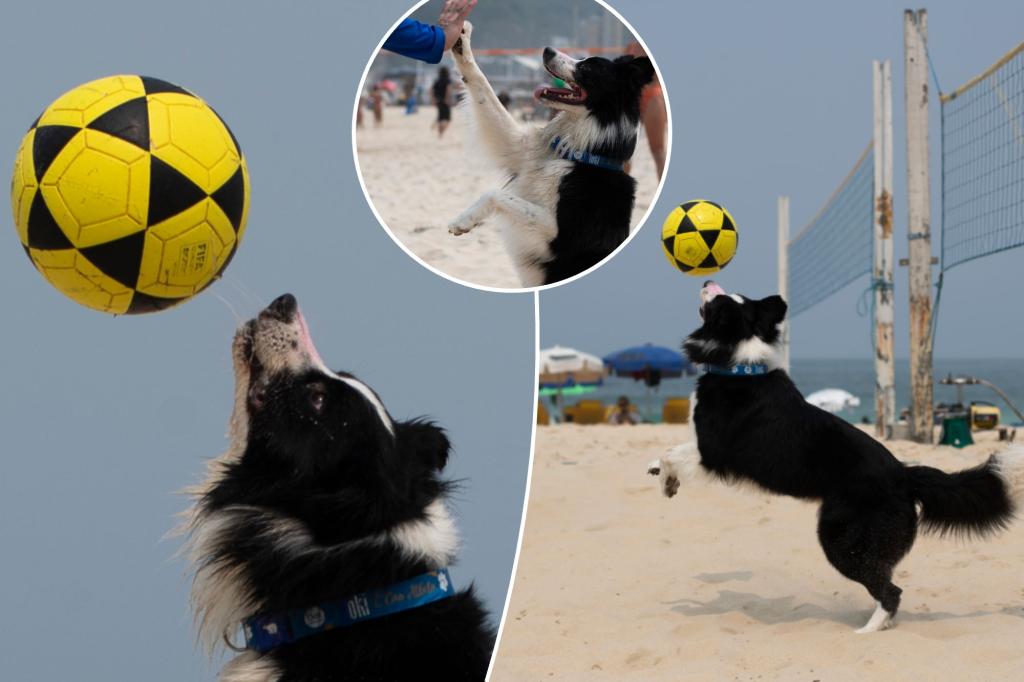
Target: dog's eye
x=258 y=396
x=317 y=398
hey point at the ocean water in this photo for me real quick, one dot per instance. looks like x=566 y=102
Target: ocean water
x=855 y=375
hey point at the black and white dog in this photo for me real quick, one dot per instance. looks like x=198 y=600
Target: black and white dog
x=567 y=203
x=752 y=425
x=323 y=532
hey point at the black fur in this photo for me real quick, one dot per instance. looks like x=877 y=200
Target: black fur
x=320 y=460
x=760 y=429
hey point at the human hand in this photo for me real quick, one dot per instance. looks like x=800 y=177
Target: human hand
x=453 y=14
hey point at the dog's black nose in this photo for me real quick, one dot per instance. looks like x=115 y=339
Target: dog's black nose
x=709 y=283
x=549 y=54
x=282 y=308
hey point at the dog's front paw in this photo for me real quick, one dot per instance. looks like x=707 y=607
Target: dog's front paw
x=654 y=468
x=669 y=486
x=461 y=50
x=461 y=226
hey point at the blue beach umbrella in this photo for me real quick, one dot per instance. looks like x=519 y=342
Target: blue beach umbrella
x=648 y=363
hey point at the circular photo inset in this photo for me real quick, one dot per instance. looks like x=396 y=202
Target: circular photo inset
x=511 y=145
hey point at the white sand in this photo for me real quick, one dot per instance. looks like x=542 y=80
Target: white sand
x=419 y=184
x=616 y=582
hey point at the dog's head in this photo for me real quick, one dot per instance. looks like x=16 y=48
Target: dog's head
x=596 y=84
x=736 y=329
x=314 y=424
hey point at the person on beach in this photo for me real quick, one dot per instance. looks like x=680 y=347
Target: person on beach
x=623 y=413
x=653 y=114
x=441 y=91
x=377 y=103
x=427 y=42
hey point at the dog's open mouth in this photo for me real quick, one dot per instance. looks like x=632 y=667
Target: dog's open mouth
x=573 y=94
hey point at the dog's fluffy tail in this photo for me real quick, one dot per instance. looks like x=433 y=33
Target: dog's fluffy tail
x=972 y=502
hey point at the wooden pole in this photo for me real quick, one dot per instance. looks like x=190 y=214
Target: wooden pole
x=783 y=221
x=882 y=280
x=915 y=38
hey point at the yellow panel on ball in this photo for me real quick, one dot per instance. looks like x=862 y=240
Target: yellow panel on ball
x=691 y=249
x=189 y=136
x=98 y=188
x=80 y=106
x=74 y=276
x=705 y=216
x=183 y=254
x=23 y=187
x=671 y=224
x=725 y=247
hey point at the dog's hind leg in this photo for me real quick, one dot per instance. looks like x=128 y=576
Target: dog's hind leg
x=499 y=131
x=865 y=544
x=526 y=214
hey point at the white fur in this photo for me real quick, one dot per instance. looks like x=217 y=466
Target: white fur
x=526 y=206
x=1009 y=466
x=880 y=620
x=250 y=667
x=434 y=538
x=754 y=350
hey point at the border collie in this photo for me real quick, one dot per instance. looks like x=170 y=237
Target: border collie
x=567 y=203
x=751 y=425
x=322 y=534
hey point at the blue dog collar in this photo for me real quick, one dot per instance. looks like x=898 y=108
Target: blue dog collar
x=741 y=370
x=266 y=632
x=569 y=154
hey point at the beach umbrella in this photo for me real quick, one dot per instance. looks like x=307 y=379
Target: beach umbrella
x=833 y=399
x=561 y=367
x=648 y=363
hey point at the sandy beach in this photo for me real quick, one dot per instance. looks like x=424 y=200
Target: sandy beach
x=419 y=184
x=617 y=582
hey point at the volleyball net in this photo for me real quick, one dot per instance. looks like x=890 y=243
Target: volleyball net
x=835 y=247
x=983 y=163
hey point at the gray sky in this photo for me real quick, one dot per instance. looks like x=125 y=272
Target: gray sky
x=773 y=98
x=103 y=419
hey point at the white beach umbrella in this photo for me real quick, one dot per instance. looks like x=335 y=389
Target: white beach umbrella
x=833 y=399
x=560 y=366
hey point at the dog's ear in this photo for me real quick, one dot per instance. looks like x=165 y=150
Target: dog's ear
x=771 y=310
x=642 y=69
x=425 y=441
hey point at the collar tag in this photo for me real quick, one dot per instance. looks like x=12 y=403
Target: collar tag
x=564 y=151
x=740 y=370
x=268 y=631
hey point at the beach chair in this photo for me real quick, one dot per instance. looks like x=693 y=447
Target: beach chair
x=675 y=411
x=585 y=412
x=543 y=418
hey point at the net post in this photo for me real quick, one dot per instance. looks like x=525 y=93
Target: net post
x=783 y=223
x=882 y=252
x=915 y=36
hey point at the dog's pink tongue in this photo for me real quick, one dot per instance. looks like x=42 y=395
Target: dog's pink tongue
x=306 y=341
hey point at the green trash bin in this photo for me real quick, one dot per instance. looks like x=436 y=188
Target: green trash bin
x=956 y=431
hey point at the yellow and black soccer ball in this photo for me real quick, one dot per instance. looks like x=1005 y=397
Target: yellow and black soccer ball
x=699 y=237
x=130 y=194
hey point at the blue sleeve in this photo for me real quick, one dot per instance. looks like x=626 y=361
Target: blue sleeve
x=417 y=40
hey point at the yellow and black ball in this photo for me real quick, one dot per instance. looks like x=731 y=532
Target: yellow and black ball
x=699 y=237
x=130 y=194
